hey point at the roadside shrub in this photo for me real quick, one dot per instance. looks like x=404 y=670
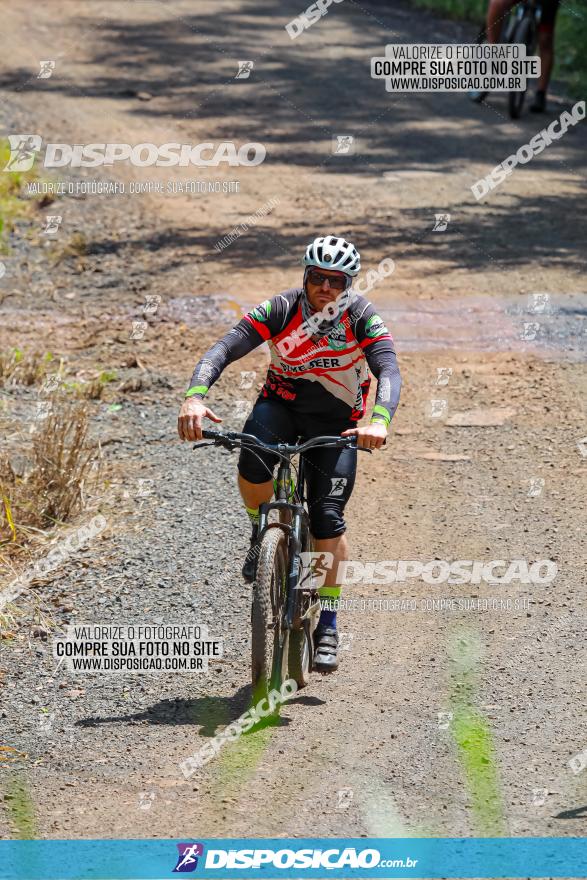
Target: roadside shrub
x=51 y=487
x=21 y=368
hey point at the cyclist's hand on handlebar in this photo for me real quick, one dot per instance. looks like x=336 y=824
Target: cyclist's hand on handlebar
x=369 y=436
x=189 y=423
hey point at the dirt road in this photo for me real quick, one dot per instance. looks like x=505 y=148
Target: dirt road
x=439 y=721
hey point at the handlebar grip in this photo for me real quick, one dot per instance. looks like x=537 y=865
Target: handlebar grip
x=228 y=437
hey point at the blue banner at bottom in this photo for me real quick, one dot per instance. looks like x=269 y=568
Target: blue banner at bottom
x=293 y=857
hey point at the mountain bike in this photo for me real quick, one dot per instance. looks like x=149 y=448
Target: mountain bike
x=285 y=606
x=521 y=26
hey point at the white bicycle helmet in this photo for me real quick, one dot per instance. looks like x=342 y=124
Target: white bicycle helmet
x=333 y=252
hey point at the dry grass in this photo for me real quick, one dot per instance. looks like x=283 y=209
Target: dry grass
x=23 y=368
x=19 y=367
x=76 y=246
x=47 y=476
x=62 y=460
x=92 y=389
x=60 y=465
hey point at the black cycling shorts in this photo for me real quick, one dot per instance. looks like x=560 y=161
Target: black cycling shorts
x=330 y=473
x=549 y=11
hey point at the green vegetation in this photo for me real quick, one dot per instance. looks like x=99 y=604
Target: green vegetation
x=19 y=367
x=570 y=35
x=93 y=388
x=23 y=368
x=14 y=205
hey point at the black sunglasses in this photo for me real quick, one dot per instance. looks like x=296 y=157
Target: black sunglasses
x=335 y=281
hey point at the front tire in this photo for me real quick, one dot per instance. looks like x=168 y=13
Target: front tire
x=269 y=591
x=524 y=33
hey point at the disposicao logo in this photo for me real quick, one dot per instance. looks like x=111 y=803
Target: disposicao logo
x=24 y=149
x=187 y=861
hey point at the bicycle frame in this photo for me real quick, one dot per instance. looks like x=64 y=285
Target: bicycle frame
x=528 y=8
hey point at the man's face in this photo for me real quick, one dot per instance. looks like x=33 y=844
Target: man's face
x=319 y=295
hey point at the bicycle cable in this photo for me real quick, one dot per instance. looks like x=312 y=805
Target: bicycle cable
x=266 y=466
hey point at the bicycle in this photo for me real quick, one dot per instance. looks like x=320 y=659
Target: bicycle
x=521 y=26
x=285 y=606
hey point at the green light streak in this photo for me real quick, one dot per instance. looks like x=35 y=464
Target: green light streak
x=473 y=738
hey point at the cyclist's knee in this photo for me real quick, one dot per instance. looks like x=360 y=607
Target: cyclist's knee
x=327 y=520
x=256 y=468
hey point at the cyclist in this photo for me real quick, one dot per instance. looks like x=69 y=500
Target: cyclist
x=323 y=339
x=496 y=12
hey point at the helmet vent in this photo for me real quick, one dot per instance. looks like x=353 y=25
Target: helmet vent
x=333 y=252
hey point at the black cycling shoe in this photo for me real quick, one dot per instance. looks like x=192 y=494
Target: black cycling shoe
x=249 y=570
x=325 y=649
x=539 y=104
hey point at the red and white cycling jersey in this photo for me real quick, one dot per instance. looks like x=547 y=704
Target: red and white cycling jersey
x=326 y=377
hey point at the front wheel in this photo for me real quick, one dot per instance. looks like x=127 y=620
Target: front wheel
x=268 y=644
x=525 y=33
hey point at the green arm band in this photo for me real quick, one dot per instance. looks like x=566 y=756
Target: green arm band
x=380 y=414
x=197 y=389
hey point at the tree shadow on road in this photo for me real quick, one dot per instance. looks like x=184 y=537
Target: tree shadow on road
x=300 y=95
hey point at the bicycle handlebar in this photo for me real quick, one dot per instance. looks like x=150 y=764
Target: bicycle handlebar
x=231 y=439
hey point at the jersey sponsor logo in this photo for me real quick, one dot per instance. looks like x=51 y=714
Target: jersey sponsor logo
x=375 y=327
x=316 y=363
x=337 y=337
x=282 y=387
x=262 y=312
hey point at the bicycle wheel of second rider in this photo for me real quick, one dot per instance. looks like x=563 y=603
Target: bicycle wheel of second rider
x=269 y=592
x=524 y=33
